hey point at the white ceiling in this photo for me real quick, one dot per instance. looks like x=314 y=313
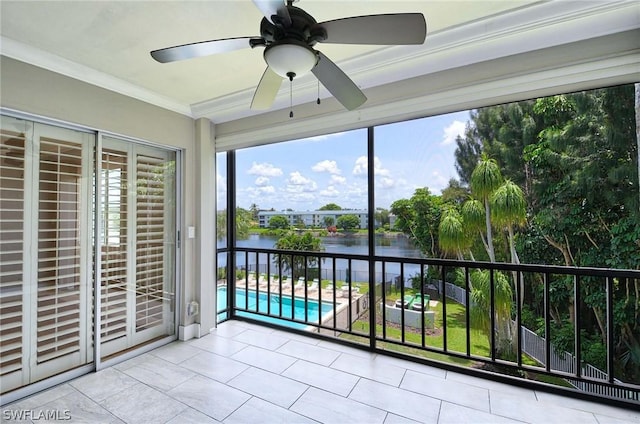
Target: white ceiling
x=107 y=43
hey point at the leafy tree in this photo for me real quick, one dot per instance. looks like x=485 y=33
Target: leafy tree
x=501 y=132
x=328 y=221
x=467 y=153
x=243 y=223
x=382 y=216
x=586 y=198
x=455 y=193
x=348 y=222
x=296 y=264
x=575 y=159
x=221 y=224
x=279 y=222
x=330 y=207
x=419 y=217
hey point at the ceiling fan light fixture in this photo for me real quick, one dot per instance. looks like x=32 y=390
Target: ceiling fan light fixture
x=290 y=57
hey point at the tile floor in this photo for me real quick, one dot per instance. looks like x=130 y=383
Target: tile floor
x=244 y=373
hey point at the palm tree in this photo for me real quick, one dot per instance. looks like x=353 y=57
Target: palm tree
x=485 y=179
x=297 y=264
x=451 y=235
x=509 y=208
x=480 y=313
x=474 y=220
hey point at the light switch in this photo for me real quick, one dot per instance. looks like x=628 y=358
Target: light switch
x=191 y=233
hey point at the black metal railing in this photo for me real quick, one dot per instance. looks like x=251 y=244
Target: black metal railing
x=458 y=314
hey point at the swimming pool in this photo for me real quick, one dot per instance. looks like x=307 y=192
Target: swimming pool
x=272 y=305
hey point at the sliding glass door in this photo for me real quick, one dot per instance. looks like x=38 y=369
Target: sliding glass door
x=45 y=284
x=49 y=210
x=137 y=245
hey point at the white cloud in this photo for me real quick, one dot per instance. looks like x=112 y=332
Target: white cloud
x=330 y=192
x=354 y=195
x=296 y=178
x=386 y=182
x=337 y=179
x=298 y=183
x=267 y=189
x=360 y=167
x=329 y=166
x=452 y=131
x=262 y=181
x=301 y=197
x=264 y=169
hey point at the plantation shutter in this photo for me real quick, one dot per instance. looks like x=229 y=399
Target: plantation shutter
x=12 y=168
x=114 y=239
x=150 y=252
x=58 y=248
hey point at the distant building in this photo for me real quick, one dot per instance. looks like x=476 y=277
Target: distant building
x=312 y=218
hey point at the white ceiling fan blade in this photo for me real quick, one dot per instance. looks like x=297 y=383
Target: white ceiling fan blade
x=277 y=8
x=391 y=29
x=203 y=48
x=267 y=90
x=338 y=83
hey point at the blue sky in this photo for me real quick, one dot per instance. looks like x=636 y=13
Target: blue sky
x=306 y=174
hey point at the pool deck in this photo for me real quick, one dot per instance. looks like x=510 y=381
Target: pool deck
x=299 y=290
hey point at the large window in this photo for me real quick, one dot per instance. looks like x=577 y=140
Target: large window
x=548 y=181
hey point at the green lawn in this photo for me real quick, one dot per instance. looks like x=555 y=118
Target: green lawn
x=456 y=339
x=456 y=335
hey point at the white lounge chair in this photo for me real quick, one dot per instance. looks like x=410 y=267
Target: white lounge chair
x=314 y=284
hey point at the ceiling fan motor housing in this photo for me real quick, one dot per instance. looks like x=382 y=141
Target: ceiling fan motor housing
x=289 y=48
x=303 y=28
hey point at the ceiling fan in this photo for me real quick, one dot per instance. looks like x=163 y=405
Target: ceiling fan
x=288 y=35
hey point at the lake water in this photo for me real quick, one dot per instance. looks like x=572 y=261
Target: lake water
x=397 y=245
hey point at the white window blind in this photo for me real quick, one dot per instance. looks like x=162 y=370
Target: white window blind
x=58 y=284
x=12 y=168
x=150 y=227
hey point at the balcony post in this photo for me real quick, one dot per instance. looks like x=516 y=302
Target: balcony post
x=231 y=232
x=372 y=237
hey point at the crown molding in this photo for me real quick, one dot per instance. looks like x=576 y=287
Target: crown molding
x=542 y=25
x=42 y=59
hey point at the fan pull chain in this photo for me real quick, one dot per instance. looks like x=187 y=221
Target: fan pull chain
x=291 y=75
x=318 y=101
